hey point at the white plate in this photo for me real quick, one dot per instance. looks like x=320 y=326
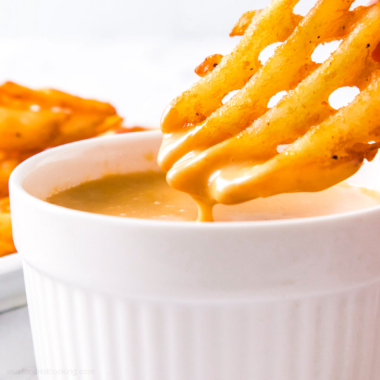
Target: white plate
x=12 y=290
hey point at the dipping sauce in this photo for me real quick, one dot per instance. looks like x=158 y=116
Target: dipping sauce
x=147 y=195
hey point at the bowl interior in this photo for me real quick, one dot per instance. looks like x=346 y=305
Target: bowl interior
x=67 y=166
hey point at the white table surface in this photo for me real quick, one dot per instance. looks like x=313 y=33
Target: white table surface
x=16 y=348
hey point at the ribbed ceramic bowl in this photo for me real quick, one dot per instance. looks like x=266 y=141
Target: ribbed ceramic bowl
x=118 y=298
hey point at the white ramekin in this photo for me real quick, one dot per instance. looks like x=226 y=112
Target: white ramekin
x=118 y=298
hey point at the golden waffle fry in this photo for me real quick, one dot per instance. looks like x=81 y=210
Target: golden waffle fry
x=286 y=69
x=6 y=240
x=37 y=119
x=16 y=96
x=25 y=130
x=235 y=69
x=237 y=140
x=34 y=120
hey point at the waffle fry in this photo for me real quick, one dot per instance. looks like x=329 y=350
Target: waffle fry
x=6 y=240
x=37 y=119
x=34 y=120
x=6 y=168
x=235 y=69
x=231 y=155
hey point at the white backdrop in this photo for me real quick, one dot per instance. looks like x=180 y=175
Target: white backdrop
x=136 y=54
x=107 y=19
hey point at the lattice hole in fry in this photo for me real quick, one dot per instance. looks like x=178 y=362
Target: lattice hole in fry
x=303 y=7
x=358 y=3
x=323 y=51
x=281 y=148
x=276 y=99
x=268 y=52
x=229 y=96
x=343 y=96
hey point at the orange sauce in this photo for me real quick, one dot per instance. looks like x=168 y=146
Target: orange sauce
x=147 y=195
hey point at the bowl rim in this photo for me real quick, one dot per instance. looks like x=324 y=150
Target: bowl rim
x=21 y=172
